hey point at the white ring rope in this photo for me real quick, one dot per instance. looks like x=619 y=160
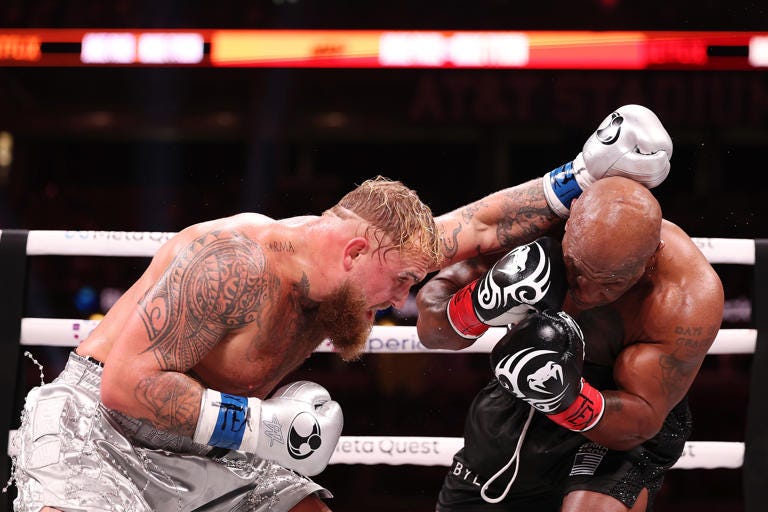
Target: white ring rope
x=397 y=339
x=146 y=243
x=439 y=451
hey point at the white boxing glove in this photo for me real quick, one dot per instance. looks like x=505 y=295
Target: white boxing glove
x=631 y=142
x=298 y=427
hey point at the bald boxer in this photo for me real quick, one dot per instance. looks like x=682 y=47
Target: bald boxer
x=631 y=296
x=169 y=404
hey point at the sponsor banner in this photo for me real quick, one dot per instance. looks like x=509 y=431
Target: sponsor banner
x=421 y=451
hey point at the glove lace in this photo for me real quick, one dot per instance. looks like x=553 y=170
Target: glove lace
x=514 y=459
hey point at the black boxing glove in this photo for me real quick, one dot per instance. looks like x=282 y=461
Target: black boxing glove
x=528 y=278
x=540 y=360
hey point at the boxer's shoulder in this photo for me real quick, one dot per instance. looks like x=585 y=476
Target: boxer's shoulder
x=681 y=266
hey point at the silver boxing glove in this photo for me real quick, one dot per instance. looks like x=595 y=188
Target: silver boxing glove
x=298 y=427
x=630 y=142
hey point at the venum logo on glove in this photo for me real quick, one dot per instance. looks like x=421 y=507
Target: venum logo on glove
x=303 y=436
x=532 y=375
x=609 y=132
x=530 y=289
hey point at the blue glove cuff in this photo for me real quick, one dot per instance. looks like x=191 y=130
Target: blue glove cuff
x=563 y=183
x=231 y=422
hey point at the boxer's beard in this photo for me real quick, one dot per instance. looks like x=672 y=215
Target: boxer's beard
x=344 y=321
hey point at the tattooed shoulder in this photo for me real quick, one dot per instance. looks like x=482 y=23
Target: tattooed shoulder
x=218 y=282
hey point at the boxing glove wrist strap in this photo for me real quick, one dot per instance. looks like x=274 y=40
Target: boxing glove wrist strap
x=584 y=413
x=561 y=187
x=225 y=421
x=462 y=316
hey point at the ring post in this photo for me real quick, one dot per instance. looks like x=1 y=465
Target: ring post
x=756 y=440
x=13 y=262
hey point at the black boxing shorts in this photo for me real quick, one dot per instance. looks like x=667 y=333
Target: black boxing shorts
x=553 y=461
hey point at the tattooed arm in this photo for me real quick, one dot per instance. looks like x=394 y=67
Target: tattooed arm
x=200 y=286
x=498 y=222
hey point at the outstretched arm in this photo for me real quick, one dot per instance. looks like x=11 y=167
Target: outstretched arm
x=630 y=142
x=496 y=223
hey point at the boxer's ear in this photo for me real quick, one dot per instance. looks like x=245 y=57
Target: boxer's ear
x=354 y=248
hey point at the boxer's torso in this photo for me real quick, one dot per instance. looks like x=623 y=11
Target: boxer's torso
x=271 y=336
x=649 y=312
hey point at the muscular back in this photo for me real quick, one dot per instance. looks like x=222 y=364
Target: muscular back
x=221 y=302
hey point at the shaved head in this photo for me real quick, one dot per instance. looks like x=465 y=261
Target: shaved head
x=615 y=225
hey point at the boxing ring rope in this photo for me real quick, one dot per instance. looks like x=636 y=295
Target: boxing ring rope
x=145 y=243
x=370 y=450
x=67 y=332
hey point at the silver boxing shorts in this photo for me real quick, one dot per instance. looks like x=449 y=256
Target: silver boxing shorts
x=77 y=455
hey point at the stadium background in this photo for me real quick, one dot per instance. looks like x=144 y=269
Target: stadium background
x=156 y=149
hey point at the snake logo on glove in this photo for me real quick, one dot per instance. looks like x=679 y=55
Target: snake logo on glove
x=609 y=133
x=531 y=372
x=303 y=436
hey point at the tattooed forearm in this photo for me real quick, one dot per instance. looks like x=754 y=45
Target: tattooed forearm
x=172 y=400
x=469 y=211
x=676 y=373
x=518 y=215
x=450 y=247
x=613 y=403
x=218 y=283
x=526 y=216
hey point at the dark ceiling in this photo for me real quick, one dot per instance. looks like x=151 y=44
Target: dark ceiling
x=215 y=141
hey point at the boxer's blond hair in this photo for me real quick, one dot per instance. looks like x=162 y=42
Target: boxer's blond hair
x=396 y=218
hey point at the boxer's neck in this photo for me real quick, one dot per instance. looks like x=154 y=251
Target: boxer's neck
x=317 y=251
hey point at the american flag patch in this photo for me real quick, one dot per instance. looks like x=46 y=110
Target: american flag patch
x=587 y=459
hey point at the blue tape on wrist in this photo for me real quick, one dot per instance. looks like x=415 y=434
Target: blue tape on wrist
x=231 y=423
x=564 y=184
